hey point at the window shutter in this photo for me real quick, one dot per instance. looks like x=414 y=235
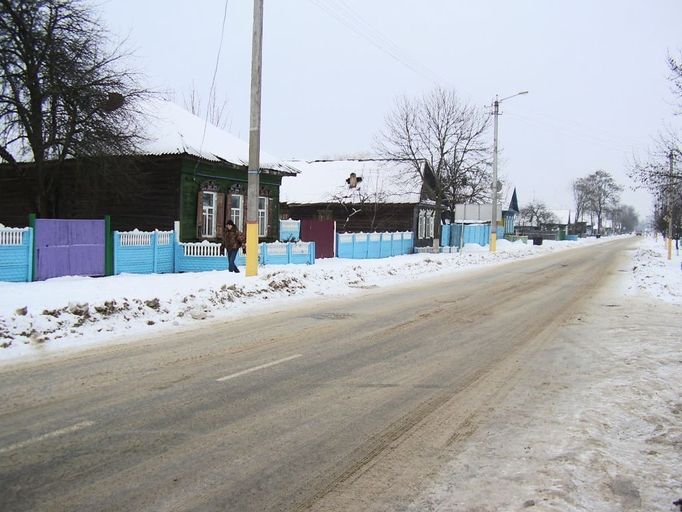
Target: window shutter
x=200 y=213
x=220 y=216
x=273 y=222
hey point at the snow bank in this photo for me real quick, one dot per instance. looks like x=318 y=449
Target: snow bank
x=76 y=311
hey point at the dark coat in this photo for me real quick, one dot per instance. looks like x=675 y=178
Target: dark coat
x=232 y=239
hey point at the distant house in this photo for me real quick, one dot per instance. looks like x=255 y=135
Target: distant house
x=482 y=213
x=186 y=170
x=363 y=195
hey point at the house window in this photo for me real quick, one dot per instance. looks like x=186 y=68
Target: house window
x=425 y=227
x=237 y=211
x=262 y=216
x=430 y=219
x=210 y=200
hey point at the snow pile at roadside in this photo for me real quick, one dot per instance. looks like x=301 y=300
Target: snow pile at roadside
x=72 y=311
x=655 y=274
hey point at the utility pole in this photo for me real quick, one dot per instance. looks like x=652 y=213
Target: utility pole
x=670 y=207
x=495 y=185
x=493 y=219
x=254 y=142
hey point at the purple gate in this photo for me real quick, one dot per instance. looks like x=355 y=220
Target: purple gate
x=69 y=248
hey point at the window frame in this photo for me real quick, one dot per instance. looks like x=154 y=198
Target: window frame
x=262 y=217
x=210 y=212
x=238 y=219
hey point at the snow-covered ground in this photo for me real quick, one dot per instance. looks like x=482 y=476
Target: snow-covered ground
x=73 y=312
x=594 y=423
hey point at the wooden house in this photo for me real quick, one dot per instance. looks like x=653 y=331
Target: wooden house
x=363 y=195
x=186 y=171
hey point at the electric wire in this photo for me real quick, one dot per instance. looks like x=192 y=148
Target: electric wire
x=211 y=91
x=582 y=134
x=347 y=16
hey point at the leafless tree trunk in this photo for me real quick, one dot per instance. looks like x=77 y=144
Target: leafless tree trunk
x=62 y=93
x=447 y=134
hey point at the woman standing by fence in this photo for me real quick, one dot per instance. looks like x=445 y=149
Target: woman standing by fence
x=232 y=240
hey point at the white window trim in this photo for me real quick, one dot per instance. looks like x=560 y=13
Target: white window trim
x=238 y=219
x=209 y=231
x=263 y=214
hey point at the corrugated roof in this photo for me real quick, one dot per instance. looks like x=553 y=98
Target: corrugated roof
x=323 y=181
x=173 y=130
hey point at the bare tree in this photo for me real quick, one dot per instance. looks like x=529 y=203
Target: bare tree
x=62 y=92
x=675 y=67
x=215 y=113
x=580 y=188
x=536 y=213
x=603 y=194
x=448 y=134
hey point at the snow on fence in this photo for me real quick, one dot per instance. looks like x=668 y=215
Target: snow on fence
x=374 y=245
x=16 y=254
x=204 y=248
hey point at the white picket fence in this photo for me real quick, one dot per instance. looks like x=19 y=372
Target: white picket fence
x=204 y=248
x=12 y=236
x=139 y=238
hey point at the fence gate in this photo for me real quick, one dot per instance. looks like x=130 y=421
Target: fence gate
x=69 y=248
x=323 y=233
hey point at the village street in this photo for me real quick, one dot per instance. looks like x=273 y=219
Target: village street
x=341 y=404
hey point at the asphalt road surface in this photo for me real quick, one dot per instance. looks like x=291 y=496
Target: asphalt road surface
x=290 y=409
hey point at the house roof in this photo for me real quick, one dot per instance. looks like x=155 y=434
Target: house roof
x=377 y=180
x=172 y=130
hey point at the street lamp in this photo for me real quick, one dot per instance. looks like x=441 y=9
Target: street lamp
x=493 y=220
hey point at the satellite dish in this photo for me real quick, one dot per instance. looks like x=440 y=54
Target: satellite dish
x=498 y=187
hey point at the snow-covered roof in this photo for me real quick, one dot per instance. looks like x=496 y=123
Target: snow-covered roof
x=323 y=181
x=172 y=130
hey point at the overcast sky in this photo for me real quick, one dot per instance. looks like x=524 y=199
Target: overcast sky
x=332 y=70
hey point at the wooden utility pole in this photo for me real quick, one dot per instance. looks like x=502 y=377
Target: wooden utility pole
x=254 y=142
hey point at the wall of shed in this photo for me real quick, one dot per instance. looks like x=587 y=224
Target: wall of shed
x=138 y=194
x=367 y=218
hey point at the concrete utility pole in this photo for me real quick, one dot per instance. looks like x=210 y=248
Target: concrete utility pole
x=254 y=142
x=670 y=207
x=493 y=220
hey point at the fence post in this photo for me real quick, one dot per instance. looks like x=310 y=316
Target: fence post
x=32 y=224
x=155 y=250
x=29 y=267
x=117 y=246
x=108 y=247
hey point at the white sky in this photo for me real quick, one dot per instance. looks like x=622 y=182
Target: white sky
x=596 y=73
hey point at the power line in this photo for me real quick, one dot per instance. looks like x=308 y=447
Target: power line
x=211 y=91
x=347 y=16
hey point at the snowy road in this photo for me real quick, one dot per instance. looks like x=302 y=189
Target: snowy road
x=352 y=404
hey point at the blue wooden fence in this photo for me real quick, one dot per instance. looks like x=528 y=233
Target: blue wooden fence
x=289 y=230
x=157 y=252
x=451 y=234
x=144 y=252
x=373 y=245
x=16 y=254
